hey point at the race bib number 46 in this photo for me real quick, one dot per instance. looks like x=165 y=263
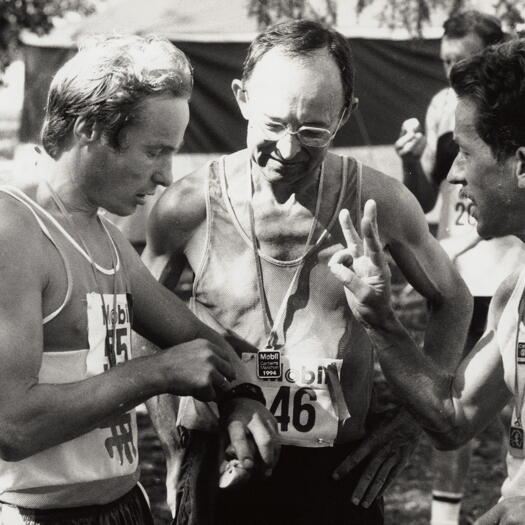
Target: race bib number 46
x=299 y=398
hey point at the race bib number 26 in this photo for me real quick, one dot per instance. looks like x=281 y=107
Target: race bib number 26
x=299 y=399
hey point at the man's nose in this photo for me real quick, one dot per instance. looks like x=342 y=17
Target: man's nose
x=288 y=146
x=456 y=173
x=163 y=175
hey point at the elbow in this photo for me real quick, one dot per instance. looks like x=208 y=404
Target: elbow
x=12 y=452
x=13 y=446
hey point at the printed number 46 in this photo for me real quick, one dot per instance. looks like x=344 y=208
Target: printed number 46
x=303 y=414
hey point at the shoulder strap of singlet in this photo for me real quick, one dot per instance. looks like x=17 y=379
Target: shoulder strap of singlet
x=205 y=251
x=19 y=196
x=519 y=288
x=35 y=205
x=358 y=204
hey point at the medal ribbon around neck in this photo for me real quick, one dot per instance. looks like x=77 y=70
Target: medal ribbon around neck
x=69 y=218
x=269 y=325
x=518 y=398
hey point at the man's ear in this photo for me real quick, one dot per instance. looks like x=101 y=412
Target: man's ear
x=240 y=96
x=86 y=131
x=520 y=166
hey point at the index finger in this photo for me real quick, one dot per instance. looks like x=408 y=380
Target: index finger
x=370 y=231
x=354 y=458
x=352 y=239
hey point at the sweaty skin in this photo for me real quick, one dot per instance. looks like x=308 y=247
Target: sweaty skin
x=298 y=92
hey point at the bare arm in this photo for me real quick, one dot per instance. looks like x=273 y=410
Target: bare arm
x=426 y=266
x=176 y=219
x=34 y=415
x=450 y=407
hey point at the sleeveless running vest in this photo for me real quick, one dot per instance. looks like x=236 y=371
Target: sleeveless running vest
x=102 y=465
x=514 y=484
x=317 y=328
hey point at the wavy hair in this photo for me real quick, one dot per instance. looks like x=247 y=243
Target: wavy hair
x=105 y=82
x=300 y=37
x=495 y=81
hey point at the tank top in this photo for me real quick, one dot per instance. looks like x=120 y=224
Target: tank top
x=317 y=328
x=102 y=465
x=514 y=484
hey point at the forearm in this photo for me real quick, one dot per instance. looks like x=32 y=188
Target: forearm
x=419 y=184
x=447 y=327
x=200 y=330
x=163 y=408
x=424 y=388
x=40 y=416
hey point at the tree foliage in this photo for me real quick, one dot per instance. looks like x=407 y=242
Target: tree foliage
x=36 y=16
x=268 y=12
x=411 y=15
x=414 y=14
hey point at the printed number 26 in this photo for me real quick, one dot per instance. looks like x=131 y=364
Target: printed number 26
x=462 y=210
x=303 y=414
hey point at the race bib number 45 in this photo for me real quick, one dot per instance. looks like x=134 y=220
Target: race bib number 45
x=299 y=398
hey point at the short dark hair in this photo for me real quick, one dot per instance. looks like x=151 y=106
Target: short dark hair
x=106 y=81
x=487 y=27
x=495 y=81
x=300 y=37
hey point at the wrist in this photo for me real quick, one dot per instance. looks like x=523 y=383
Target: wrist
x=411 y=162
x=243 y=390
x=389 y=330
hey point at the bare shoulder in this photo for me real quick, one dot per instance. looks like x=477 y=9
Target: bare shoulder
x=180 y=210
x=399 y=213
x=501 y=297
x=21 y=240
x=384 y=189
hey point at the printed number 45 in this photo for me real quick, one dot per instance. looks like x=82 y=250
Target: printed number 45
x=303 y=414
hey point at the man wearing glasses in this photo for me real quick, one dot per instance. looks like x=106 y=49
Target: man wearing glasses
x=258 y=228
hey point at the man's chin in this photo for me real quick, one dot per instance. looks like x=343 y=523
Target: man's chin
x=122 y=211
x=486 y=233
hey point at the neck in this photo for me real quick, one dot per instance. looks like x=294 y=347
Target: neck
x=63 y=180
x=284 y=191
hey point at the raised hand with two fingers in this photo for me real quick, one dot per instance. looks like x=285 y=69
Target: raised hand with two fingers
x=363 y=269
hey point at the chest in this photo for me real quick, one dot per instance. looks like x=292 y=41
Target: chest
x=84 y=299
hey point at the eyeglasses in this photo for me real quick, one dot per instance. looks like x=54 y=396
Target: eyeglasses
x=310 y=136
